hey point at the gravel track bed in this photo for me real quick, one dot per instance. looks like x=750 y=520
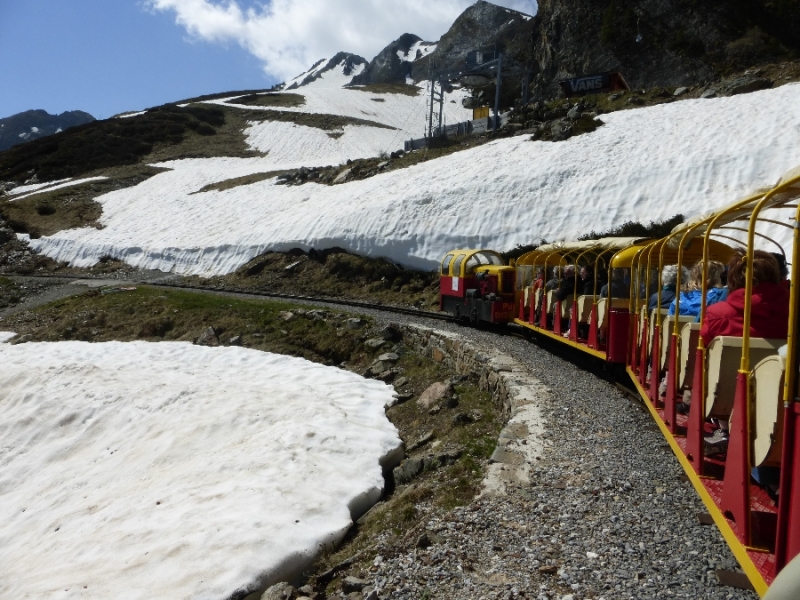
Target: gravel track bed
x=607 y=515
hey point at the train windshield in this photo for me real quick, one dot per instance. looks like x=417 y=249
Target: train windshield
x=480 y=259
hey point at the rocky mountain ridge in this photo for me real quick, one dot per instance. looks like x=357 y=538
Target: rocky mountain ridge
x=34 y=124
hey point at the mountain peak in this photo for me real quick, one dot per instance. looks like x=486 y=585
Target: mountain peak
x=339 y=70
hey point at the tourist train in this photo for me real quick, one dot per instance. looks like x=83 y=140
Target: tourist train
x=713 y=353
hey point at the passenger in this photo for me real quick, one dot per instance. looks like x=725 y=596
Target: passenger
x=691 y=298
x=769 y=312
x=567 y=287
x=618 y=287
x=586 y=285
x=539 y=281
x=552 y=283
x=669 y=275
x=784 y=270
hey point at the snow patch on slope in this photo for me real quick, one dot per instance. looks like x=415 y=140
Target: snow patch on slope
x=645 y=164
x=50 y=187
x=140 y=470
x=424 y=48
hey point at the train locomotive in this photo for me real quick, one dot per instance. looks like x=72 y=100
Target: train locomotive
x=690 y=386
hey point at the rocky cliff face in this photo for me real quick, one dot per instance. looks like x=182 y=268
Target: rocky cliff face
x=350 y=64
x=658 y=42
x=34 y=124
x=395 y=63
x=482 y=26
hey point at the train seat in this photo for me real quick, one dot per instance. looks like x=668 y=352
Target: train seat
x=537 y=299
x=724 y=356
x=656 y=313
x=566 y=306
x=551 y=301
x=585 y=304
x=690 y=336
x=667 y=327
x=602 y=306
x=766 y=411
x=527 y=297
x=640 y=332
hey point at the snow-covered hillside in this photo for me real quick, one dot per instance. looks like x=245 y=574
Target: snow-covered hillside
x=142 y=471
x=651 y=163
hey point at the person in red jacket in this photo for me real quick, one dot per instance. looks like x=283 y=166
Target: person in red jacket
x=769 y=308
x=769 y=311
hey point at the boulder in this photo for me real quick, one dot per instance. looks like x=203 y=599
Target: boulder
x=435 y=393
x=352 y=584
x=208 y=338
x=391 y=333
x=680 y=91
x=279 y=591
x=355 y=323
x=408 y=469
x=745 y=85
x=712 y=93
x=375 y=343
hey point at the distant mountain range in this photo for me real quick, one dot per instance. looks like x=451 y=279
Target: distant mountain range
x=34 y=124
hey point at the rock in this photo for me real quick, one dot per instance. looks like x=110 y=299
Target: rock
x=389 y=357
x=548 y=569
x=371 y=594
x=235 y=341
x=451 y=402
x=353 y=584
x=341 y=177
x=391 y=333
x=462 y=419
x=574 y=113
x=424 y=541
x=680 y=91
x=375 y=343
x=279 y=591
x=636 y=100
x=307 y=590
x=408 y=469
x=208 y=338
x=435 y=393
x=286 y=315
x=355 y=323
x=745 y=85
x=427 y=437
x=400 y=382
x=403 y=396
x=712 y=93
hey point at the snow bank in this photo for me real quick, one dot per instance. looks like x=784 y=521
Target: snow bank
x=6 y=335
x=32 y=187
x=139 y=470
x=50 y=187
x=647 y=164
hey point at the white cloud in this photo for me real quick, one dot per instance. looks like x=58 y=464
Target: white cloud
x=290 y=35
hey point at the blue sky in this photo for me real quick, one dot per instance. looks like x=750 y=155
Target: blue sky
x=112 y=56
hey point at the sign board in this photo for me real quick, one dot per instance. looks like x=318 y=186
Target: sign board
x=593 y=84
x=478 y=57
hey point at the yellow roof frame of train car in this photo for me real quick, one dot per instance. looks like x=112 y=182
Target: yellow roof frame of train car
x=466 y=254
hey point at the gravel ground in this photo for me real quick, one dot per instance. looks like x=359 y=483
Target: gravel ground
x=606 y=516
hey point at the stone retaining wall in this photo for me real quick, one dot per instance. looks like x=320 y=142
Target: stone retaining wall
x=516 y=394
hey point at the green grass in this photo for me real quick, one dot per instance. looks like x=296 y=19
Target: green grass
x=283 y=100
x=154 y=315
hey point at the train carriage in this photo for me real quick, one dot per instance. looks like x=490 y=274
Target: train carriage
x=749 y=382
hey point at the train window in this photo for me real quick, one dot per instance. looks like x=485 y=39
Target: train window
x=457 y=266
x=524 y=276
x=446 y=264
x=481 y=259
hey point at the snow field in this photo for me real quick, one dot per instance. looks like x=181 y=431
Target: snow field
x=51 y=186
x=686 y=157
x=140 y=470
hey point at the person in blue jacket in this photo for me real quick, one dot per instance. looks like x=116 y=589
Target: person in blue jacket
x=668 y=277
x=692 y=293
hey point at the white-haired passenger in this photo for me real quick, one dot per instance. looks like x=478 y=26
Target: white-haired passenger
x=669 y=276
